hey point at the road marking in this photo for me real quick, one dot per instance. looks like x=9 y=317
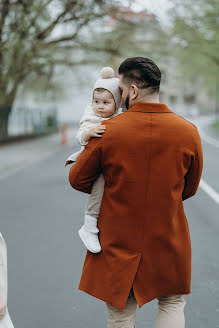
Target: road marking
x=209 y=139
x=209 y=190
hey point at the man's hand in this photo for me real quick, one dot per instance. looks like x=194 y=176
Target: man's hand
x=94 y=131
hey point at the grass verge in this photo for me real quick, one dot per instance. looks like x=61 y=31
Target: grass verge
x=215 y=126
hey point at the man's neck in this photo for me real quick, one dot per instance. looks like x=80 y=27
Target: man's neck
x=154 y=98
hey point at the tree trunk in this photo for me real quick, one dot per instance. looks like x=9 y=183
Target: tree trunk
x=4 y=116
x=6 y=103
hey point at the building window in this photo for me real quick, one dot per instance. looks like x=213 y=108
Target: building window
x=172 y=99
x=189 y=99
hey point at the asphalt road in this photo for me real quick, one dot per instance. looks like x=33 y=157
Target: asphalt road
x=40 y=217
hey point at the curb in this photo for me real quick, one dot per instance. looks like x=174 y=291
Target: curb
x=23 y=137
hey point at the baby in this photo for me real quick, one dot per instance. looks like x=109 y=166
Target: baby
x=105 y=105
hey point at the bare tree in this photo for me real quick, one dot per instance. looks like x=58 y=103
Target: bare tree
x=37 y=35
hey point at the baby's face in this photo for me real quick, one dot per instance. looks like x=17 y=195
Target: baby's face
x=103 y=103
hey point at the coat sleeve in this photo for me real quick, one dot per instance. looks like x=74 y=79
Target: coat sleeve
x=193 y=175
x=87 y=167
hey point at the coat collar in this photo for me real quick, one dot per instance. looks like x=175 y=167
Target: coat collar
x=147 y=107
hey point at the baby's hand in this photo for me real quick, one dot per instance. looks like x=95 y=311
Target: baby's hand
x=94 y=131
x=2 y=311
x=97 y=130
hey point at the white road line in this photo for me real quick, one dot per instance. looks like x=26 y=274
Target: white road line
x=209 y=190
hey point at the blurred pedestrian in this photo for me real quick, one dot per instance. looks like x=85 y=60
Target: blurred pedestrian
x=5 y=320
x=151 y=159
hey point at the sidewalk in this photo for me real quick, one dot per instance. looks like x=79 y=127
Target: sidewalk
x=18 y=155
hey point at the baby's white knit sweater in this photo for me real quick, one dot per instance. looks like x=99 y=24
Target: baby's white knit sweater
x=89 y=119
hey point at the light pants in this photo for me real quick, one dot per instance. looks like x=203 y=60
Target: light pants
x=170 y=313
x=95 y=198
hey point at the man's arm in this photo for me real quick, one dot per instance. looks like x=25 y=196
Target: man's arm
x=193 y=175
x=87 y=167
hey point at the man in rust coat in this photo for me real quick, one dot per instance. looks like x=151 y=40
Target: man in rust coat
x=152 y=160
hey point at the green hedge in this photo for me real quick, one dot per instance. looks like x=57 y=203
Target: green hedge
x=215 y=126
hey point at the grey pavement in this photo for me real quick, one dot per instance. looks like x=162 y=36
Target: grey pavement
x=204 y=123
x=18 y=155
x=40 y=217
x=210 y=144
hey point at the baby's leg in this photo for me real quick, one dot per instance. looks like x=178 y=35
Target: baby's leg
x=94 y=201
x=89 y=231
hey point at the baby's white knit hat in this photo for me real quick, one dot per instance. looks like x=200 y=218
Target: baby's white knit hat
x=110 y=83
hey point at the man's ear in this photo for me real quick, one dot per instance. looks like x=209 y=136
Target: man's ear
x=133 y=92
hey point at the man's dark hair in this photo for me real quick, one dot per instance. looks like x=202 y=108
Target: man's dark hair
x=141 y=71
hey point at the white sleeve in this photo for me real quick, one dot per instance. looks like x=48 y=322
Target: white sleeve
x=88 y=120
x=83 y=126
x=78 y=136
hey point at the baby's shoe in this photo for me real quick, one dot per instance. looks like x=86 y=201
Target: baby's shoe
x=89 y=234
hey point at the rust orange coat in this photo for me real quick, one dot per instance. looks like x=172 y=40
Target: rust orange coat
x=152 y=160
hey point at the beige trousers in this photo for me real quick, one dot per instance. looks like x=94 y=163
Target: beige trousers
x=170 y=313
x=95 y=199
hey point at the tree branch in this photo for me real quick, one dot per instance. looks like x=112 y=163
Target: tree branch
x=64 y=62
x=212 y=57
x=43 y=34
x=88 y=46
x=4 y=13
x=68 y=37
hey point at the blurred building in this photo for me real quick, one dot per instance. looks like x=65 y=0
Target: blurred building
x=180 y=93
x=186 y=97
x=126 y=13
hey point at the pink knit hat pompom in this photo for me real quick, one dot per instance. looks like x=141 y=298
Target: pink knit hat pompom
x=109 y=82
x=107 y=73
